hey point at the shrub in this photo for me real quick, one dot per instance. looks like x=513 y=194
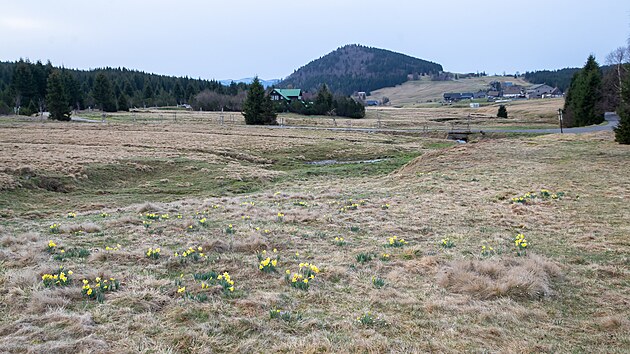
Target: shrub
x=502 y=112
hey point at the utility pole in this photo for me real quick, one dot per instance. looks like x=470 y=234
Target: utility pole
x=560 y=118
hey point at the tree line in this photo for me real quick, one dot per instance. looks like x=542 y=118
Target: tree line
x=592 y=92
x=325 y=103
x=25 y=85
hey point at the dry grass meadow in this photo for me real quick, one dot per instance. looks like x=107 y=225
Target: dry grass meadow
x=236 y=195
x=420 y=92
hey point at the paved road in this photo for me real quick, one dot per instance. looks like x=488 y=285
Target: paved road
x=611 y=121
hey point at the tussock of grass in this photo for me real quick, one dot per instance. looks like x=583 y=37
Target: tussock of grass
x=124 y=220
x=10 y=240
x=88 y=227
x=149 y=208
x=517 y=278
x=251 y=244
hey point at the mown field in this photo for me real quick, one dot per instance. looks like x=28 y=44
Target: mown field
x=415 y=252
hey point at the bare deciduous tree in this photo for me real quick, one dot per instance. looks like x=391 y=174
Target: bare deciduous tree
x=618 y=58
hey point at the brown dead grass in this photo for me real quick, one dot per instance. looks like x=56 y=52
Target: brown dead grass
x=520 y=278
x=433 y=300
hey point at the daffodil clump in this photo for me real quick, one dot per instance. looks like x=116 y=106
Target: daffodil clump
x=115 y=248
x=203 y=282
x=72 y=253
x=385 y=206
x=267 y=264
x=226 y=283
x=209 y=276
x=339 y=241
x=153 y=253
x=54 y=228
x=199 y=293
x=395 y=242
x=152 y=216
x=447 y=243
x=303 y=277
x=230 y=229
x=58 y=278
x=265 y=231
x=203 y=222
x=364 y=257
x=353 y=206
x=71 y=215
x=487 y=251
x=52 y=247
x=530 y=196
x=280 y=217
x=101 y=286
x=369 y=320
x=104 y=215
x=278 y=314
x=146 y=224
x=378 y=282
x=192 y=253
x=521 y=244
x=301 y=204
x=386 y=257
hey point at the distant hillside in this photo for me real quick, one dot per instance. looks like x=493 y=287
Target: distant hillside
x=249 y=80
x=358 y=68
x=421 y=91
x=557 y=78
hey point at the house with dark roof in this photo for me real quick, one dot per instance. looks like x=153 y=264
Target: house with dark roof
x=452 y=97
x=540 y=91
x=494 y=94
x=288 y=95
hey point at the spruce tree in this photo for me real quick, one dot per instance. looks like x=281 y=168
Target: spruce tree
x=258 y=108
x=622 y=131
x=502 y=112
x=123 y=103
x=103 y=94
x=56 y=98
x=323 y=100
x=585 y=92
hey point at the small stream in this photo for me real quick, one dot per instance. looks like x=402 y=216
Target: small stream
x=337 y=162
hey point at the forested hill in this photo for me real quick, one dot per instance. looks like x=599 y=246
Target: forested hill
x=24 y=84
x=357 y=68
x=556 y=78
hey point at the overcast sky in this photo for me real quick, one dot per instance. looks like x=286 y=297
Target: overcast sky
x=242 y=38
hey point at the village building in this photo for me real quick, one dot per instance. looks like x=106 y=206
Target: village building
x=540 y=91
x=513 y=91
x=288 y=95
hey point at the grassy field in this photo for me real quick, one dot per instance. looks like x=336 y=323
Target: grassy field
x=418 y=93
x=99 y=199
x=522 y=114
